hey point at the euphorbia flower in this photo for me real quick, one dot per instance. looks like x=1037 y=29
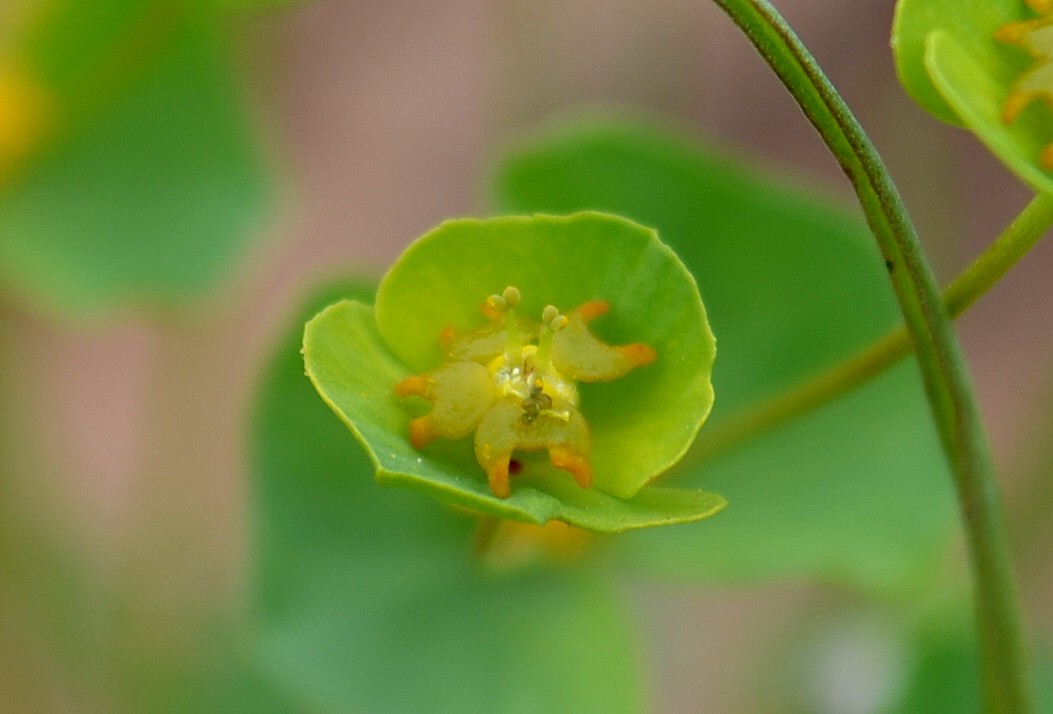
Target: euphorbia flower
x=567 y=385
x=1035 y=36
x=958 y=60
x=515 y=394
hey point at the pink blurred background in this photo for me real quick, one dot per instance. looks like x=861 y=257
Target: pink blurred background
x=383 y=117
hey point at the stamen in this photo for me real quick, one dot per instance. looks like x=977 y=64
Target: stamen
x=502 y=307
x=551 y=322
x=513 y=348
x=497 y=305
x=511 y=296
x=549 y=314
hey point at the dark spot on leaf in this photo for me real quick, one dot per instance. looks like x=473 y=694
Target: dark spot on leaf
x=515 y=466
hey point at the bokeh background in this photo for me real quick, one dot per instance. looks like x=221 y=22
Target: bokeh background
x=123 y=431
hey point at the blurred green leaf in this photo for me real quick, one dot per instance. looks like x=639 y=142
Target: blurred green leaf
x=851 y=493
x=219 y=673
x=370 y=600
x=152 y=187
x=858 y=491
x=75 y=48
x=946 y=673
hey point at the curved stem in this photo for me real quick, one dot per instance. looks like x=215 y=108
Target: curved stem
x=946 y=380
x=985 y=272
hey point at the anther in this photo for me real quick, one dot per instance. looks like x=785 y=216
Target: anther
x=497 y=304
x=511 y=296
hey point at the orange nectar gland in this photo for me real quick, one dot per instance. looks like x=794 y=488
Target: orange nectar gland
x=1035 y=36
x=513 y=383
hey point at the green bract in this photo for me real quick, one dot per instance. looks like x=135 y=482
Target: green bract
x=130 y=174
x=640 y=424
x=950 y=61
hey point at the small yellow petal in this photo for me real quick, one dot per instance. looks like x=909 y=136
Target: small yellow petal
x=579 y=354
x=460 y=393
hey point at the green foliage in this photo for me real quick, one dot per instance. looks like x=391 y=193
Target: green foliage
x=946 y=676
x=791 y=286
x=951 y=63
x=640 y=424
x=144 y=184
x=370 y=599
x=946 y=673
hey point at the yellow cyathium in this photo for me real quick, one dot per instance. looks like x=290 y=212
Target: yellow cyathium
x=513 y=383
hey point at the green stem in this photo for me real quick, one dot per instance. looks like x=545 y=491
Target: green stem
x=943 y=371
x=1014 y=242
x=978 y=278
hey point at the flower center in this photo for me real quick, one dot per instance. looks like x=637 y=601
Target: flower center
x=515 y=386
x=525 y=371
x=538 y=390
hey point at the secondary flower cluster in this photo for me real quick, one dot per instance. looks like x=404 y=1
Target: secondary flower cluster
x=513 y=383
x=1035 y=36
